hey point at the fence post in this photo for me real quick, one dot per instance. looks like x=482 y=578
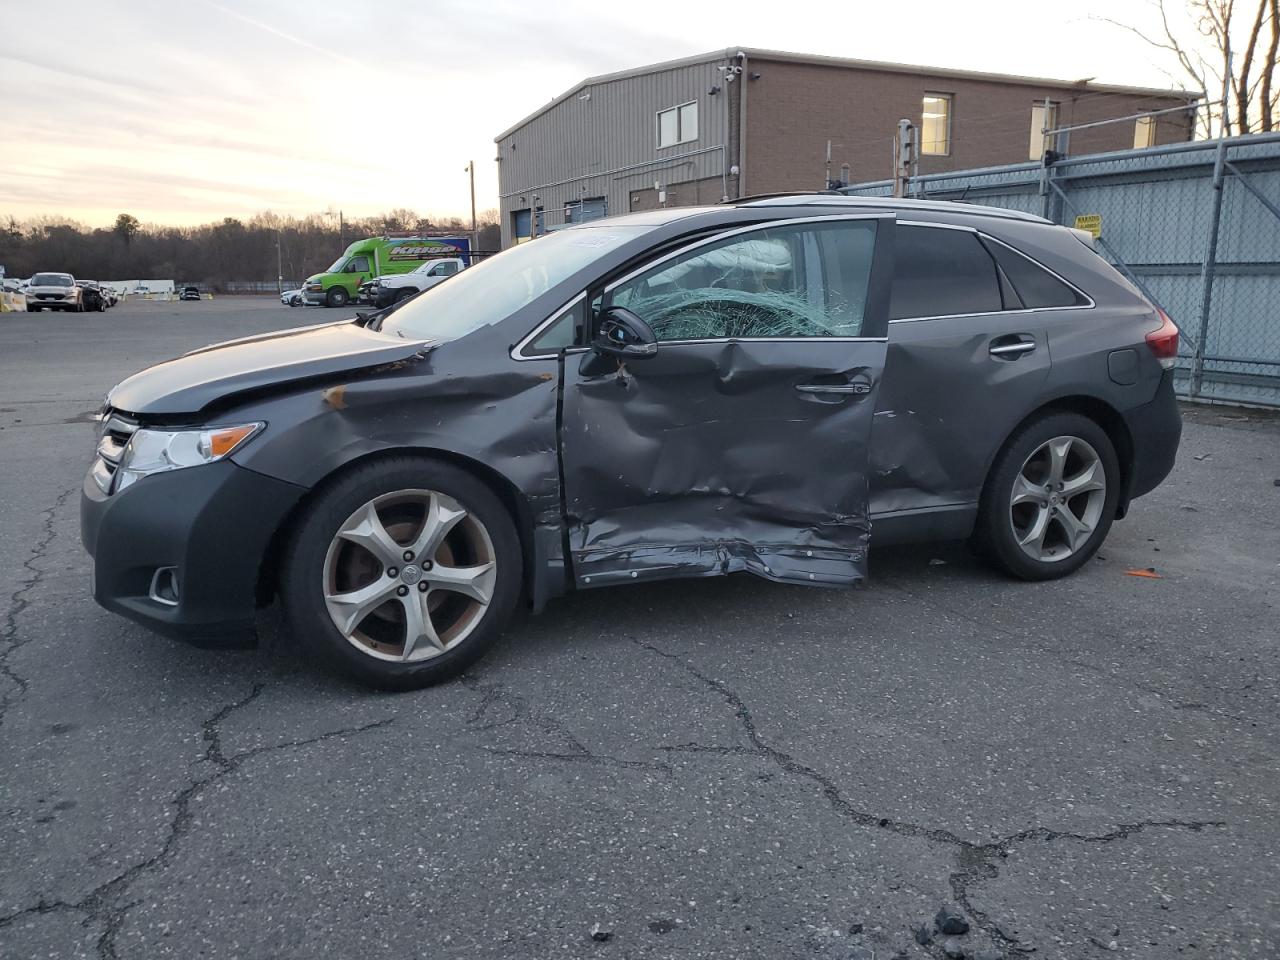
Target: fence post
x=1209 y=268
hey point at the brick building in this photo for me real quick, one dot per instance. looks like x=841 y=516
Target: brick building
x=743 y=121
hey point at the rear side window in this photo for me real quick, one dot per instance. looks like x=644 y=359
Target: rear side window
x=1037 y=288
x=939 y=272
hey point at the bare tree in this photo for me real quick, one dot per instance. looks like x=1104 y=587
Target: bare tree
x=1218 y=49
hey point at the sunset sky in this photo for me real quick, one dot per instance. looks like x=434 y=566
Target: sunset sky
x=184 y=112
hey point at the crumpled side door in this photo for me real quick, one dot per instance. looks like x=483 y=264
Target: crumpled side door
x=742 y=444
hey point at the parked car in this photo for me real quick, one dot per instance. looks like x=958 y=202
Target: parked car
x=189 y=293
x=386 y=290
x=765 y=387
x=92 y=296
x=291 y=298
x=54 y=291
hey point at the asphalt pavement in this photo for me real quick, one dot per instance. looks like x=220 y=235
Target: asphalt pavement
x=716 y=768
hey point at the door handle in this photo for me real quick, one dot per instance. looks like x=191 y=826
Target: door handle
x=858 y=388
x=1011 y=348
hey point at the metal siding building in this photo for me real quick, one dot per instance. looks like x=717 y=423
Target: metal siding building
x=598 y=142
x=764 y=119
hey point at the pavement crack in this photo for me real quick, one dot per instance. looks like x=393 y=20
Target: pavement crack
x=43 y=906
x=789 y=764
x=977 y=861
x=591 y=759
x=20 y=599
x=103 y=904
x=549 y=727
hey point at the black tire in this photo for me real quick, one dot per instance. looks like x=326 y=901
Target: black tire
x=302 y=575
x=405 y=294
x=994 y=533
x=336 y=297
x=31 y=309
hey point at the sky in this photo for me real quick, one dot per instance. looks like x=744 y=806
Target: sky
x=187 y=111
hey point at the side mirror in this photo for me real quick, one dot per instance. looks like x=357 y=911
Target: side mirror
x=625 y=335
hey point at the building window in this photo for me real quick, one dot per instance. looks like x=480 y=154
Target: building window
x=1044 y=116
x=1144 y=133
x=935 y=125
x=678 y=125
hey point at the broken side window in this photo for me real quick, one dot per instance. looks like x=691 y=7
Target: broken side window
x=806 y=280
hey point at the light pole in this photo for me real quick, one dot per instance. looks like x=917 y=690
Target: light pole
x=475 y=237
x=279 y=267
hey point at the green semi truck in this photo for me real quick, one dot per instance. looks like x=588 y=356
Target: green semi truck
x=375 y=257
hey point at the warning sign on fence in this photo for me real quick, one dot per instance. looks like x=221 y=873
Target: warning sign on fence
x=1091 y=222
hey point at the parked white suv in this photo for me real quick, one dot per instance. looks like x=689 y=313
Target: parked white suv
x=388 y=289
x=54 y=291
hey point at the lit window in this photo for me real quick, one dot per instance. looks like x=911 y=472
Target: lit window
x=1144 y=133
x=678 y=125
x=935 y=125
x=1043 y=117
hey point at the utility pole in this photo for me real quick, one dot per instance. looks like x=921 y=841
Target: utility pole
x=279 y=266
x=827 y=184
x=342 y=231
x=475 y=236
x=903 y=156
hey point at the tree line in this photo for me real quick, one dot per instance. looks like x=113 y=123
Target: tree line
x=212 y=254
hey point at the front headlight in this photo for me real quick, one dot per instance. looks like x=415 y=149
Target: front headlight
x=159 y=451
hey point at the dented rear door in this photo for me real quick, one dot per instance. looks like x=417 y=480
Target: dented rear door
x=742 y=445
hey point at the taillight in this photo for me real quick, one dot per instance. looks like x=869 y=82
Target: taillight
x=1163 y=341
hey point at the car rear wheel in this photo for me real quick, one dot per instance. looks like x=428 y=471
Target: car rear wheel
x=402 y=573
x=405 y=294
x=336 y=297
x=1050 y=498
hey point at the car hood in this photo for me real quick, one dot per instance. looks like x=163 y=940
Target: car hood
x=190 y=383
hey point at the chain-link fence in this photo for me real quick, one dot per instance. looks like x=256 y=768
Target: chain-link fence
x=1195 y=225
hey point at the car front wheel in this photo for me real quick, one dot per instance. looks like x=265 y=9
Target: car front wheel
x=402 y=573
x=336 y=297
x=1050 y=497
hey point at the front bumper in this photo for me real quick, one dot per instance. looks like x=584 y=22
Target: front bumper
x=53 y=300
x=1156 y=429
x=212 y=523
x=316 y=297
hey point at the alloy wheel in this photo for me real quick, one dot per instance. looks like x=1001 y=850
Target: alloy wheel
x=409 y=575
x=1057 y=499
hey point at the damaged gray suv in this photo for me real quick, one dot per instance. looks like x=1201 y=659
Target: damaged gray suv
x=767 y=387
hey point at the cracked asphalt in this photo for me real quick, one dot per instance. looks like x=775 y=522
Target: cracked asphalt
x=717 y=768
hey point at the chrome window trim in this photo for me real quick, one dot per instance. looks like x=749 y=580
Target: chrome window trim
x=995 y=313
x=667 y=343
x=517 y=352
x=749 y=228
